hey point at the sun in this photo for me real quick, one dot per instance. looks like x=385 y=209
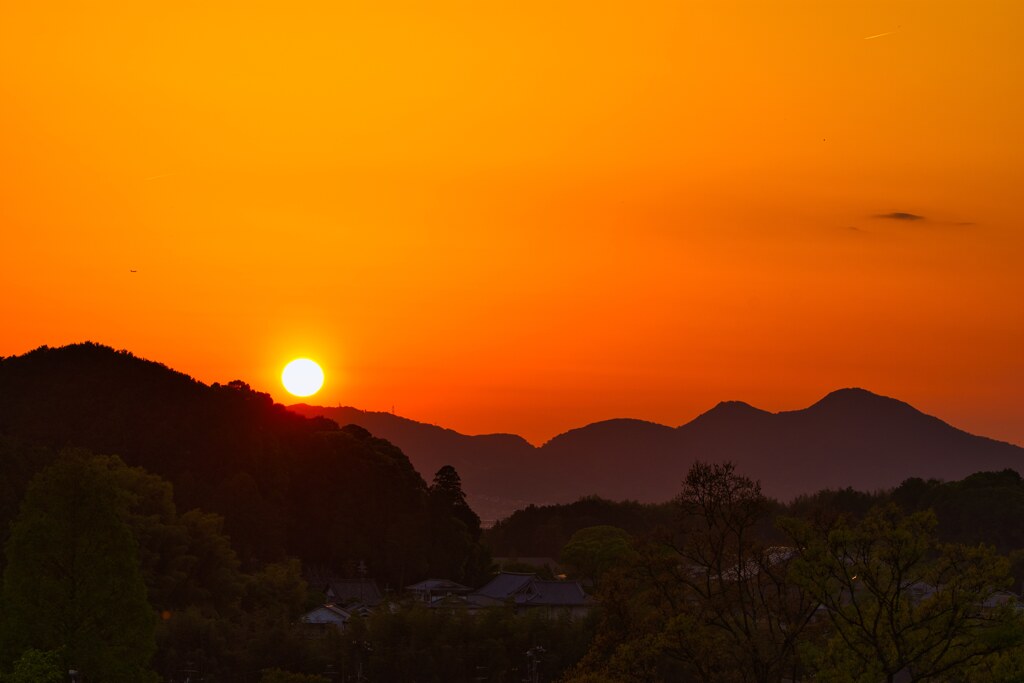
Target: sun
x=302 y=377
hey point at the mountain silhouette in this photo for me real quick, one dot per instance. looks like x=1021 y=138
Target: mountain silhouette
x=851 y=437
x=287 y=485
x=269 y=469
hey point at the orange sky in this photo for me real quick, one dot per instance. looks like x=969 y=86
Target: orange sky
x=526 y=216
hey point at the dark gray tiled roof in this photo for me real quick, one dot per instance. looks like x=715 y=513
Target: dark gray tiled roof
x=438 y=586
x=528 y=590
x=325 y=614
x=554 y=593
x=505 y=585
x=346 y=591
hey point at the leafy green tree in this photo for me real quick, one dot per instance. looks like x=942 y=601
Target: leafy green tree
x=274 y=599
x=593 y=551
x=1004 y=667
x=629 y=640
x=185 y=560
x=73 y=581
x=278 y=591
x=20 y=460
x=153 y=519
x=35 y=666
x=210 y=575
x=898 y=601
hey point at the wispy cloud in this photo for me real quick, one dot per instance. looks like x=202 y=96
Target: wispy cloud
x=900 y=216
x=879 y=35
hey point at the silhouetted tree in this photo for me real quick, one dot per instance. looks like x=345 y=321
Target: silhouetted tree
x=454 y=531
x=709 y=600
x=739 y=607
x=72 y=582
x=447 y=492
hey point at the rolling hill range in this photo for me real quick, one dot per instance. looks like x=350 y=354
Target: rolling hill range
x=227 y=448
x=285 y=485
x=851 y=437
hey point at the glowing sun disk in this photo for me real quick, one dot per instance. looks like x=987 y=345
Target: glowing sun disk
x=302 y=377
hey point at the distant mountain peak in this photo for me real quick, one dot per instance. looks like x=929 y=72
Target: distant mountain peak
x=859 y=400
x=730 y=411
x=617 y=426
x=853 y=394
x=736 y=407
x=156 y=416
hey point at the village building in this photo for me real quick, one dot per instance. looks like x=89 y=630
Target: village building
x=326 y=617
x=353 y=593
x=432 y=591
x=526 y=591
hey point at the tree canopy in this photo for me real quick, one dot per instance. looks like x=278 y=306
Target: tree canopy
x=898 y=600
x=73 y=583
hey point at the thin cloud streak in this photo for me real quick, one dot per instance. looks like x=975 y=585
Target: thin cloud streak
x=880 y=35
x=900 y=216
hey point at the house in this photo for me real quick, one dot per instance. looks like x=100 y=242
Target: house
x=998 y=599
x=432 y=591
x=353 y=593
x=501 y=588
x=325 y=617
x=526 y=591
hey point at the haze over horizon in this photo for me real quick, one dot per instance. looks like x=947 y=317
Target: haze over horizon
x=526 y=218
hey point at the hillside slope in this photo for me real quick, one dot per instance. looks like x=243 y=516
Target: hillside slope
x=851 y=437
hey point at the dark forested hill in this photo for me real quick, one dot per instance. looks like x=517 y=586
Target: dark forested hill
x=851 y=437
x=286 y=484
x=490 y=458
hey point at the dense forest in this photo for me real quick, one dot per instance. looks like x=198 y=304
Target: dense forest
x=920 y=582
x=155 y=529
x=105 y=576
x=983 y=508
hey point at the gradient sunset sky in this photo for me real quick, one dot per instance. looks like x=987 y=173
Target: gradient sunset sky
x=527 y=216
